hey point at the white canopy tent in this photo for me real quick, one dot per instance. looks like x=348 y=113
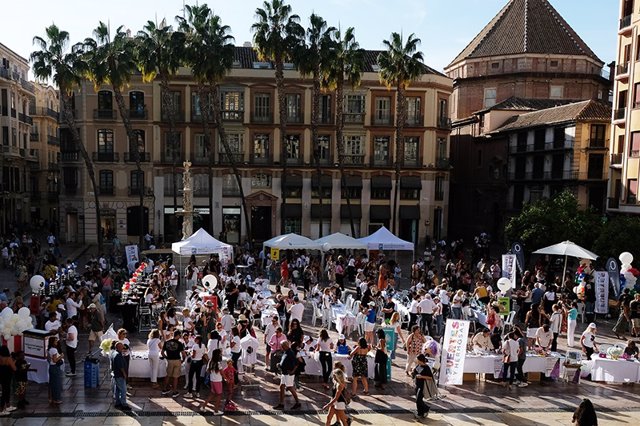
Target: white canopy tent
x=203 y=243
x=340 y=241
x=292 y=242
x=383 y=239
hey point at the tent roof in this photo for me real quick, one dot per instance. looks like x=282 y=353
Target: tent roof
x=292 y=242
x=383 y=238
x=200 y=243
x=340 y=241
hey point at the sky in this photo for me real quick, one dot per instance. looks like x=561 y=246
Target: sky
x=444 y=26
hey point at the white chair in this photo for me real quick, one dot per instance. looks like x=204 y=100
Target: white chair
x=349 y=303
x=509 y=322
x=581 y=311
x=317 y=314
x=327 y=318
x=360 y=320
x=356 y=308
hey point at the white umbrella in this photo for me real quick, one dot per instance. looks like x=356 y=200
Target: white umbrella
x=567 y=248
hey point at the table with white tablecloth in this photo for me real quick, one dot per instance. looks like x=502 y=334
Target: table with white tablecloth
x=139 y=366
x=489 y=364
x=313 y=367
x=345 y=320
x=266 y=315
x=41 y=367
x=612 y=370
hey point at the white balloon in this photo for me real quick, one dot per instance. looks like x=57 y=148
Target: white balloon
x=626 y=258
x=209 y=281
x=504 y=284
x=36 y=283
x=326 y=247
x=24 y=312
x=7 y=312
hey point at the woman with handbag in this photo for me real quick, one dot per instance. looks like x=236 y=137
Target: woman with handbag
x=510 y=349
x=380 y=376
x=56 y=362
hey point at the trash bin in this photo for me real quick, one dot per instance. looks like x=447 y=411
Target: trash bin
x=91 y=372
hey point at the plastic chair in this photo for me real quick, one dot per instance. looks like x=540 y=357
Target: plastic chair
x=360 y=320
x=581 y=311
x=356 y=308
x=317 y=314
x=509 y=322
x=349 y=303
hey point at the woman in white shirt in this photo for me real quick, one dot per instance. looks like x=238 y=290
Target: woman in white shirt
x=154 y=344
x=215 y=377
x=236 y=348
x=413 y=311
x=215 y=342
x=55 y=371
x=556 y=323
x=325 y=347
x=198 y=352
x=71 y=342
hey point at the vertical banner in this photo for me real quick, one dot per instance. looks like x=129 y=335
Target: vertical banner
x=602 y=292
x=391 y=338
x=454 y=351
x=132 y=253
x=509 y=267
x=517 y=249
x=614 y=274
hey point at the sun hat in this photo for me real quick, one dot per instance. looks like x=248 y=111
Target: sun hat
x=372 y=303
x=341 y=337
x=593 y=325
x=92 y=306
x=242 y=318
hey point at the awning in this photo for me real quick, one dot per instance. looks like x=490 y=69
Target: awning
x=410 y=182
x=293 y=211
x=353 y=181
x=293 y=181
x=326 y=211
x=379 y=213
x=326 y=181
x=356 y=211
x=381 y=182
x=409 y=212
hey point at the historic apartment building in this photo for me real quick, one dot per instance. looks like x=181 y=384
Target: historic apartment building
x=250 y=118
x=17 y=159
x=624 y=143
x=45 y=144
x=526 y=58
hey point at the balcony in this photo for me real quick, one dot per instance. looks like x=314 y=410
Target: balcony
x=167 y=158
x=443 y=163
x=353 y=160
x=380 y=162
x=353 y=117
x=106 y=190
x=613 y=203
x=619 y=115
x=326 y=119
x=541 y=147
x=382 y=119
x=42 y=111
x=237 y=157
x=13 y=113
x=294 y=161
x=616 y=160
x=11 y=150
x=261 y=160
x=53 y=167
x=625 y=24
x=295 y=118
x=233 y=115
x=70 y=156
x=104 y=114
x=105 y=157
x=138 y=113
x=262 y=118
x=444 y=123
x=622 y=71
x=53 y=140
x=130 y=157
x=178 y=116
x=29 y=87
x=34 y=137
x=415 y=120
x=5 y=73
x=200 y=160
x=24 y=118
x=146 y=191
x=540 y=175
x=411 y=162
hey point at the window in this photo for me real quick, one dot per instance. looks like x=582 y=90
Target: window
x=381 y=150
x=292 y=148
x=380 y=193
x=175 y=101
x=632 y=191
x=439 y=188
x=354 y=109
x=383 y=110
x=137 y=144
x=596 y=166
x=489 y=97
x=326 y=116
x=168 y=184
x=352 y=192
x=522 y=142
x=414 y=111
x=556 y=92
x=409 y=194
x=235 y=142
x=294 y=108
x=442 y=148
x=172 y=147
x=262 y=108
x=201 y=149
x=232 y=105
x=261 y=180
x=201 y=185
x=495 y=65
x=105 y=145
x=106 y=182
x=597 y=135
x=293 y=225
x=353 y=150
x=261 y=147
x=105 y=103
x=136 y=105
x=411 y=144
x=553 y=64
x=230 y=186
x=634 y=150
x=324 y=148
x=196 y=110
x=136 y=182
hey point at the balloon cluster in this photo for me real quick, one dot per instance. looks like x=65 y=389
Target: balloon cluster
x=583 y=273
x=627 y=270
x=137 y=274
x=12 y=324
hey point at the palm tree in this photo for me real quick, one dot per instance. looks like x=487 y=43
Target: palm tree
x=65 y=67
x=346 y=65
x=312 y=59
x=159 y=53
x=400 y=65
x=112 y=61
x=210 y=53
x=277 y=34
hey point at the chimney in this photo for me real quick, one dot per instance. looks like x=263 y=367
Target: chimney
x=247 y=44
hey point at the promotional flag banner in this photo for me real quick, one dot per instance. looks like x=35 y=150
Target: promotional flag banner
x=454 y=351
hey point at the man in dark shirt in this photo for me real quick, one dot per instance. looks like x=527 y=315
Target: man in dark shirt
x=634 y=314
x=624 y=318
x=119 y=374
x=389 y=308
x=173 y=350
x=421 y=374
x=288 y=366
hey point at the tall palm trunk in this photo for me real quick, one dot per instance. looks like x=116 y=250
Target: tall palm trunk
x=282 y=112
x=70 y=121
x=204 y=111
x=400 y=120
x=217 y=113
x=122 y=109
x=340 y=146
x=168 y=105
x=315 y=110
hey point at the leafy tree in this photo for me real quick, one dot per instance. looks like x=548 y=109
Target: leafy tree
x=400 y=65
x=550 y=221
x=65 y=67
x=618 y=235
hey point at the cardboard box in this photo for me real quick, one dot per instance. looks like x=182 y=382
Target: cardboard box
x=35 y=343
x=469 y=377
